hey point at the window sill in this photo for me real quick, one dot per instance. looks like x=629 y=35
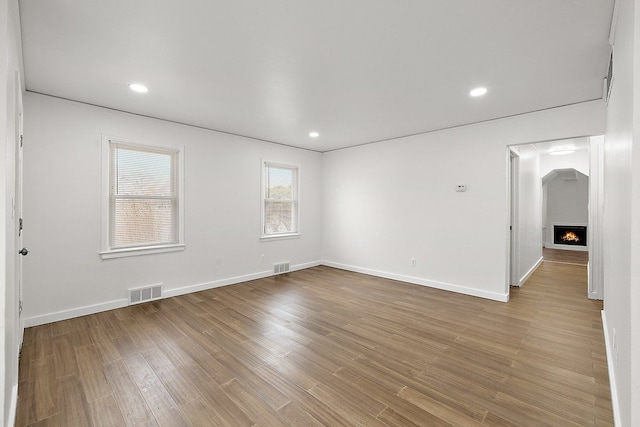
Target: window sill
x=273 y=237
x=147 y=250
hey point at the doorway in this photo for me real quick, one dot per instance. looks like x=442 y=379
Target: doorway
x=555 y=186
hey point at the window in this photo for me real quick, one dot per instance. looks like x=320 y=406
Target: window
x=279 y=200
x=143 y=199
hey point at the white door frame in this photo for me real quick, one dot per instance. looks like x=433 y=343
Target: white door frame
x=513 y=278
x=18 y=223
x=596 y=213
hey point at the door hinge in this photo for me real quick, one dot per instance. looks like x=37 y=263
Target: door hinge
x=20 y=223
x=21 y=140
x=20 y=308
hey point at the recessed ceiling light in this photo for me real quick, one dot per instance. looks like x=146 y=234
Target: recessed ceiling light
x=314 y=134
x=562 y=152
x=137 y=87
x=479 y=91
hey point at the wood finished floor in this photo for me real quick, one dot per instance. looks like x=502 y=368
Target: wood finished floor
x=327 y=347
x=562 y=255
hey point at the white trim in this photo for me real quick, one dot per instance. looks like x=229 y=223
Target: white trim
x=596 y=213
x=272 y=237
x=614 y=22
x=613 y=385
x=110 y=305
x=530 y=272
x=513 y=228
x=592 y=294
x=125 y=252
x=216 y=284
x=13 y=407
x=263 y=182
x=104 y=225
x=303 y=266
x=233 y=280
x=74 y=312
x=423 y=282
x=106 y=252
x=567 y=247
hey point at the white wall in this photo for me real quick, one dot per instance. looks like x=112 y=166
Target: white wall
x=529 y=212
x=567 y=204
x=64 y=275
x=388 y=202
x=10 y=92
x=620 y=225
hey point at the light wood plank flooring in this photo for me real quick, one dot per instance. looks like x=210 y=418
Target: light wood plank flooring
x=561 y=255
x=327 y=347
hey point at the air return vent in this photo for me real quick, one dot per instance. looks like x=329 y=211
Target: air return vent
x=281 y=267
x=147 y=293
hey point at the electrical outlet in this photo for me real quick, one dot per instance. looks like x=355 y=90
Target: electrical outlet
x=262 y=258
x=413 y=262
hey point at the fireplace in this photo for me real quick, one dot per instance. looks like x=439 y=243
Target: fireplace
x=570 y=235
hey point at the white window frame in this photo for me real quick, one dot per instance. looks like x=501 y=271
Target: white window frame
x=287 y=235
x=108 y=252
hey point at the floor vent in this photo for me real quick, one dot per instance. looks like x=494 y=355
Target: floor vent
x=148 y=293
x=281 y=267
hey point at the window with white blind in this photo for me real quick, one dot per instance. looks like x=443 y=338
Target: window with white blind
x=143 y=199
x=280 y=200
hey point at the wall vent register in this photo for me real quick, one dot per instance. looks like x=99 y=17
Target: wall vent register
x=281 y=267
x=147 y=293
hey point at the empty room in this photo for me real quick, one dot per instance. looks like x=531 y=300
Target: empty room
x=320 y=213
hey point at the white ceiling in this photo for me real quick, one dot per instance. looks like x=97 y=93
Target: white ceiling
x=356 y=71
x=576 y=144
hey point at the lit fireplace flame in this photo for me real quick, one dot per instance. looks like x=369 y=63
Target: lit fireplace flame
x=570 y=236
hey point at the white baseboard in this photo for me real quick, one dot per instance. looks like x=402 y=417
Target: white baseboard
x=530 y=272
x=215 y=284
x=423 y=282
x=13 y=405
x=592 y=294
x=232 y=280
x=305 y=265
x=613 y=385
x=74 y=312
x=568 y=247
x=110 y=305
